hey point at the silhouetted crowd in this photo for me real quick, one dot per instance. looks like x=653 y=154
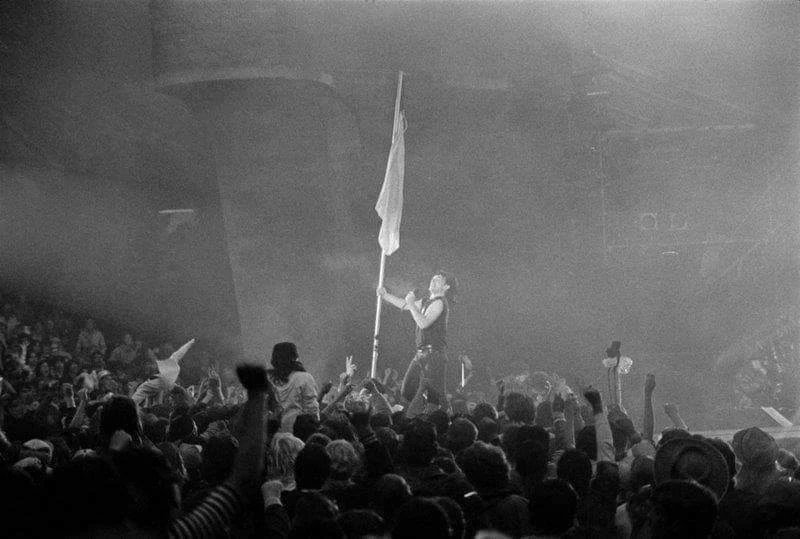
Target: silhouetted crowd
x=99 y=441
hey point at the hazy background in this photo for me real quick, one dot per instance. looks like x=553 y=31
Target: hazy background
x=530 y=125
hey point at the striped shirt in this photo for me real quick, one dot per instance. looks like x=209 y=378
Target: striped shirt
x=211 y=518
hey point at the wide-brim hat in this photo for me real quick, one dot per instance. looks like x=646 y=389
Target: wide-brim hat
x=690 y=458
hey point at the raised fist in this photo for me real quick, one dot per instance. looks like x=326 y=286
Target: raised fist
x=594 y=398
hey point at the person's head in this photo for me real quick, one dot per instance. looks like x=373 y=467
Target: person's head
x=120 y=413
x=461 y=434
x=758 y=452
x=55 y=344
x=483 y=410
x=455 y=516
x=218 y=456
x=282 y=454
x=181 y=426
x=683 y=509
x=358 y=523
x=344 y=459
x=43 y=369
x=389 y=440
x=97 y=360
x=727 y=453
x=672 y=434
x=443 y=284
x=16 y=408
x=485 y=466
x=106 y=383
x=692 y=459
x=312 y=508
x=553 y=504
x=319 y=438
x=127 y=339
x=57 y=368
x=519 y=408
x=89 y=324
x=152 y=486
x=641 y=473
x=284 y=361
x=442 y=422
x=575 y=467
x=421 y=517
x=312 y=467
x=623 y=434
x=489 y=431
x=531 y=462
x=73 y=370
x=515 y=436
x=83 y=495
x=39 y=449
x=390 y=493
x=418 y=446
x=174 y=459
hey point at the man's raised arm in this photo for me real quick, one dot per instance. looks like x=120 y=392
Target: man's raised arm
x=400 y=303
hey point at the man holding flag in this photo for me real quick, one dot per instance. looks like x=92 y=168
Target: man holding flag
x=430 y=315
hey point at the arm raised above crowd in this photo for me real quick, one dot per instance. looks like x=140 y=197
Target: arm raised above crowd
x=605 y=442
x=178 y=354
x=215 y=514
x=649 y=421
x=674 y=414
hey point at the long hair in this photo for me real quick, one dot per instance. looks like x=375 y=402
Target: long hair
x=452 y=282
x=284 y=362
x=120 y=413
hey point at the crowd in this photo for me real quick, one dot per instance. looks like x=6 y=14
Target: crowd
x=98 y=441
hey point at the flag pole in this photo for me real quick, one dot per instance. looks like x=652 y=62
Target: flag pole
x=379 y=301
x=378 y=305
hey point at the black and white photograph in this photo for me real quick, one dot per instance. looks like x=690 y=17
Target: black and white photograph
x=400 y=269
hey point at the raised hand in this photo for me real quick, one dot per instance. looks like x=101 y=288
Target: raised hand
x=349 y=366
x=671 y=409
x=410 y=298
x=381 y=291
x=594 y=399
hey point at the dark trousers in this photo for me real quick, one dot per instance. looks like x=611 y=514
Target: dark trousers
x=434 y=362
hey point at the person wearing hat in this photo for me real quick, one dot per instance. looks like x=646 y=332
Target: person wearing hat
x=756 y=452
x=692 y=459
